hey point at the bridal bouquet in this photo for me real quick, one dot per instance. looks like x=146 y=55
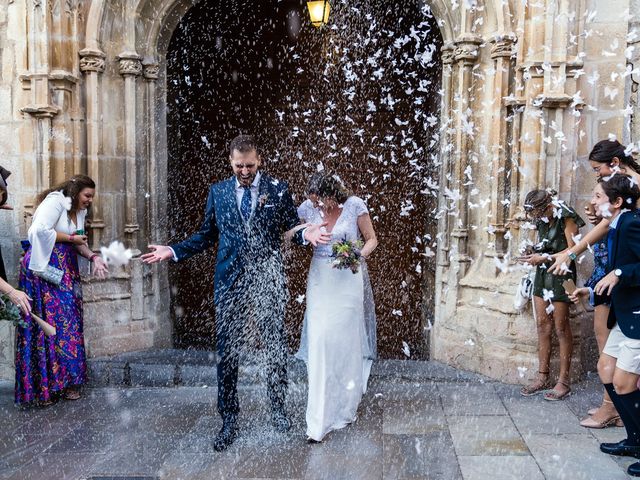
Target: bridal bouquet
x=10 y=312
x=346 y=255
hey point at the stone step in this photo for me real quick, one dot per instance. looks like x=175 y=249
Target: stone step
x=197 y=368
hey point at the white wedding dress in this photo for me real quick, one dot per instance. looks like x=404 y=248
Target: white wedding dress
x=338 y=338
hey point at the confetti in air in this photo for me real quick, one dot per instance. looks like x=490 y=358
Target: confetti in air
x=115 y=254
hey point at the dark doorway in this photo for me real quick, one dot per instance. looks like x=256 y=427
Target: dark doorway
x=358 y=97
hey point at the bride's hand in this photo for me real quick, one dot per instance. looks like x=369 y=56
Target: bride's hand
x=315 y=235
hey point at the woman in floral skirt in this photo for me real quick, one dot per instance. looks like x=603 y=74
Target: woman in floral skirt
x=56 y=365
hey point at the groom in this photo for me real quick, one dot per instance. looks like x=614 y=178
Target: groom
x=247 y=215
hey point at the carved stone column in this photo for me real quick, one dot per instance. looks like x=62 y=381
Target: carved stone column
x=445 y=151
x=130 y=67
x=92 y=64
x=502 y=52
x=465 y=57
x=150 y=73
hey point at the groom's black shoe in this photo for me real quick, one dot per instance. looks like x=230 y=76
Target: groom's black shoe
x=281 y=421
x=226 y=435
x=621 y=449
x=634 y=469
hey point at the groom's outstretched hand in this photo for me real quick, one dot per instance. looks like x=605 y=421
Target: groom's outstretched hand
x=157 y=254
x=315 y=234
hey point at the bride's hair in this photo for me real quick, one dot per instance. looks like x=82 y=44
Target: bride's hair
x=331 y=186
x=314 y=183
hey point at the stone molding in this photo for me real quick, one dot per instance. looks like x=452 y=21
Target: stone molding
x=503 y=46
x=41 y=111
x=554 y=101
x=447 y=53
x=129 y=63
x=92 y=60
x=151 y=71
x=466 y=49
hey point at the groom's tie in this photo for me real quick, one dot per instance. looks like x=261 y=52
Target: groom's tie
x=245 y=204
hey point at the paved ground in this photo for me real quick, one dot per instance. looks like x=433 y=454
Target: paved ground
x=441 y=425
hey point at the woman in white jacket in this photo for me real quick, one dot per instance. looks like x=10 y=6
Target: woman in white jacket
x=56 y=365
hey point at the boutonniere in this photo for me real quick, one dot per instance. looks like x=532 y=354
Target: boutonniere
x=262 y=200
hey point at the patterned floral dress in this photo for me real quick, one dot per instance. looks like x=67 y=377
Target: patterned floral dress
x=46 y=366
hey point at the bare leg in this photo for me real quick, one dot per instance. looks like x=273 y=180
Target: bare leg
x=606 y=411
x=565 y=340
x=544 y=325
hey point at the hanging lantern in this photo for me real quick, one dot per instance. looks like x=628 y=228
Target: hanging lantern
x=319 y=12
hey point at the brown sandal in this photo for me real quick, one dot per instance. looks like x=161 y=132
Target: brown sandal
x=72 y=395
x=535 y=387
x=554 y=395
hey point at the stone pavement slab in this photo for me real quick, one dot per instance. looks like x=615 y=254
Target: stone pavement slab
x=500 y=468
x=412 y=424
x=571 y=456
x=486 y=436
x=470 y=399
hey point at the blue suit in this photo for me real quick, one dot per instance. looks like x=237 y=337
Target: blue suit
x=624 y=253
x=249 y=280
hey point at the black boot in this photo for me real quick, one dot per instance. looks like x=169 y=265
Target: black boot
x=226 y=435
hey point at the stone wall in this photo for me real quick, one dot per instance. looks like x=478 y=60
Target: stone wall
x=82 y=90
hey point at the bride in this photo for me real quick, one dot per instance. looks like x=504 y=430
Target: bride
x=338 y=340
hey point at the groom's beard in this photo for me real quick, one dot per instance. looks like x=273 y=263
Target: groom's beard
x=246 y=180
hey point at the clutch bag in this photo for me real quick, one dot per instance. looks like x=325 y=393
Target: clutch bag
x=51 y=274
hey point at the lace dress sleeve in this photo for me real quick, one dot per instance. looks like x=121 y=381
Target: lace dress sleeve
x=305 y=210
x=359 y=207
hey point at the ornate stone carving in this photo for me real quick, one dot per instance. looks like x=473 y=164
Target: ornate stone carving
x=503 y=45
x=129 y=64
x=151 y=71
x=467 y=53
x=466 y=49
x=92 y=61
x=447 y=53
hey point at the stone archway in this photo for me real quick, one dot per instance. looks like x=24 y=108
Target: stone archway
x=85 y=82
x=383 y=143
x=141 y=60
x=493 y=84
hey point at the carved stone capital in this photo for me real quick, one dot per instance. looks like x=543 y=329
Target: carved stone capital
x=503 y=45
x=466 y=49
x=41 y=111
x=129 y=64
x=448 y=53
x=92 y=60
x=150 y=71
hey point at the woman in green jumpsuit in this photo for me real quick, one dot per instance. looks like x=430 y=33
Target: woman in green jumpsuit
x=557 y=225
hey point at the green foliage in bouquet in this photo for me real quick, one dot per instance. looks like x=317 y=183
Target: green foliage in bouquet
x=10 y=312
x=346 y=255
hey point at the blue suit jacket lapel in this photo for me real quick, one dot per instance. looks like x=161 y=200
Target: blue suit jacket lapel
x=614 y=242
x=231 y=200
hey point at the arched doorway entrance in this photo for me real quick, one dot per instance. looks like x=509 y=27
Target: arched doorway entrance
x=358 y=98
